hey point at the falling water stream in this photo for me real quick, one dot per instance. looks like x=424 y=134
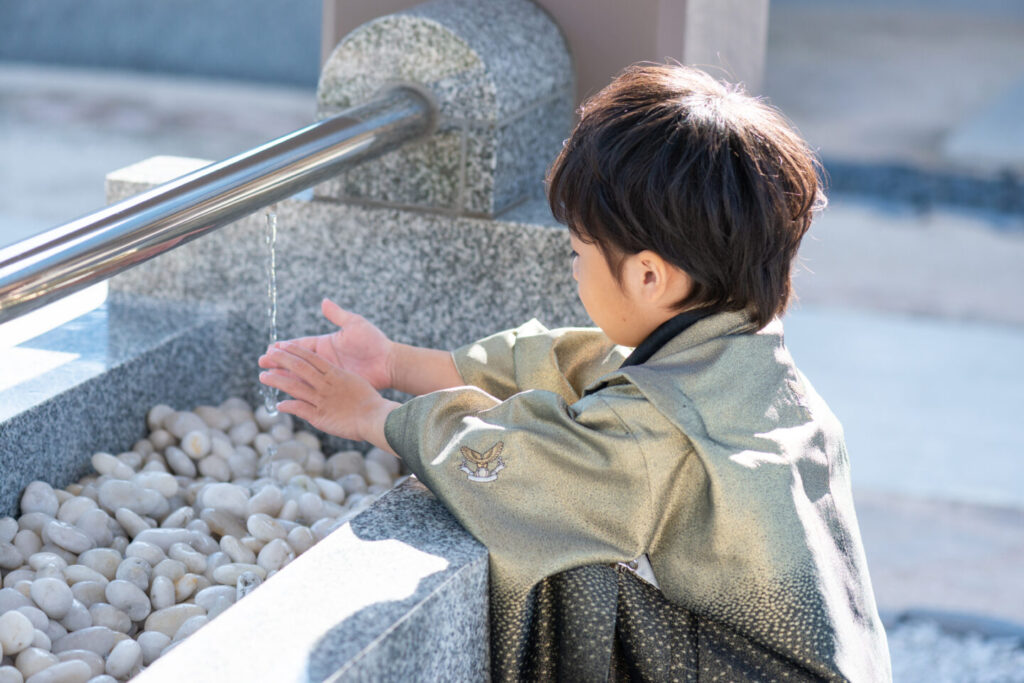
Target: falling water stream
x=270 y=394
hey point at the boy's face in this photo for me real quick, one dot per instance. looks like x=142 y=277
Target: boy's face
x=608 y=305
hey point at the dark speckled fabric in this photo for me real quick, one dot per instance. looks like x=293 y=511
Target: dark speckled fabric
x=714 y=457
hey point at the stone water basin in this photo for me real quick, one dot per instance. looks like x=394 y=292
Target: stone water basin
x=104 y=576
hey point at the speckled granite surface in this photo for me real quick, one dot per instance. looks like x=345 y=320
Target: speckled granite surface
x=398 y=594
x=115 y=363
x=501 y=75
x=424 y=278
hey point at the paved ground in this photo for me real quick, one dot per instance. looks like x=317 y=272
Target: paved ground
x=911 y=324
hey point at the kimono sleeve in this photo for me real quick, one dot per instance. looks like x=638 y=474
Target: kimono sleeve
x=563 y=361
x=545 y=485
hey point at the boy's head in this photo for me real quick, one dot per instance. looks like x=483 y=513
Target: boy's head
x=669 y=160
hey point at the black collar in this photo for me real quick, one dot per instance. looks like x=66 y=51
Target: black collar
x=664 y=333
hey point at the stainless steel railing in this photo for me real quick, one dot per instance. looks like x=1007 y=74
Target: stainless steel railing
x=97 y=246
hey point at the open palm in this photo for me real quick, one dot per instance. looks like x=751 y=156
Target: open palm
x=357 y=346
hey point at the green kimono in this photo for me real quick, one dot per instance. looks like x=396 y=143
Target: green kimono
x=714 y=458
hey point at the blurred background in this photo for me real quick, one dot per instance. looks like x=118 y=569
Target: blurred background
x=910 y=319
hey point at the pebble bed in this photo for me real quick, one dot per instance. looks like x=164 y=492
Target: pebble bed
x=923 y=653
x=102 y=578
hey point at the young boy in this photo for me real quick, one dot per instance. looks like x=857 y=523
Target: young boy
x=665 y=497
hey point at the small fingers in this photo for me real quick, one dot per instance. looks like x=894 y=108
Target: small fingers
x=311 y=358
x=288 y=383
x=299 y=409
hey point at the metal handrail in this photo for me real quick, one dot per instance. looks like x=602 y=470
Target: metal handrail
x=97 y=246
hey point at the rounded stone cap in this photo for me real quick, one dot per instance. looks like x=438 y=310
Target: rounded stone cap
x=483 y=60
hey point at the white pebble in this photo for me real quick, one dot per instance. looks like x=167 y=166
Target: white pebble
x=268 y=500
x=143 y=447
x=222 y=523
x=161 y=439
x=330 y=490
x=164 y=538
x=105 y=614
x=228 y=574
x=77 y=618
x=308 y=439
x=244 y=433
x=117 y=493
x=53 y=596
x=124 y=658
x=243 y=466
x=266 y=446
x=28 y=542
x=353 y=483
x=185 y=587
x=274 y=555
x=300 y=539
x=170 y=619
x=129 y=598
x=35 y=615
x=315 y=463
x=190 y=626
x=202 y=543
x=196 y=443
x=54 y=631
x=39 y=497
x=343 y=463
x=16 y=632
x=172 y=569
x=194 y=561
x=107 y=464
x=152 y=643
x=98 y=639
x=392 y=464
x=181 y=423
x=179 y=462
x=161 y=592
x=220 y=443
x=215 y=467
x=163 y=483
x=51 y=570
x=131 y=458
x=236 y=551
x=34 y=521
x=131 y=522
x=95 y=662
x=8 y=674
x=208 y=597
x=66 y=536
x=32 y=660
x=90 y=592
x=215 y=418
x=157 y=415
x=265 y=527
x=103 y=560
x=13 y=577
x=41 y=640
x=229 y=498
x=377 y=474
x=10 y=556
x=96 y=524
x=151 y=553
x=73 y=509
x=135 y=570
x=72 y=671
x=289 y=511
x=76 y=573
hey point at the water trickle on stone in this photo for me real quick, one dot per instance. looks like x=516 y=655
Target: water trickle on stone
x=270 y=394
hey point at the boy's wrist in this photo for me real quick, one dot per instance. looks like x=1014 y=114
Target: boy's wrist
x=372 y=427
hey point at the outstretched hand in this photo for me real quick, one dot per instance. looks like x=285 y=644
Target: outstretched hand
x=356 y=346
x=328 y=397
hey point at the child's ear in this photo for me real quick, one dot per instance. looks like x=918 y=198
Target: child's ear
x=658 y=281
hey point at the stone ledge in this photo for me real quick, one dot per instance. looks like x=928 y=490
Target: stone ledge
x=398 y=593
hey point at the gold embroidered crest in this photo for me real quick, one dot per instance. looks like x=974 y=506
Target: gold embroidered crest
x=482 y=466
